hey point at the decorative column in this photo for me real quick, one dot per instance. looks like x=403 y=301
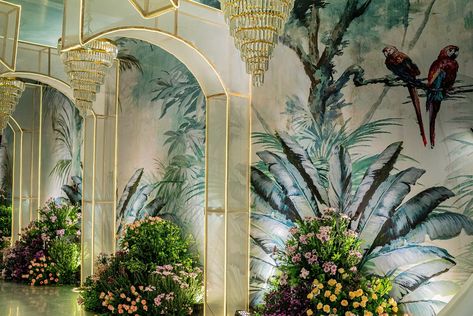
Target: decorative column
x=99 y=175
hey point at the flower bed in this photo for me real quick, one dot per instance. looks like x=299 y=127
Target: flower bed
x=154 y=274
x=319 y=274
x=48 y=249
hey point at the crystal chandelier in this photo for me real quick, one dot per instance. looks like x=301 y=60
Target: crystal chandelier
x=10 y=93
x=86 y=68
x=255 y=26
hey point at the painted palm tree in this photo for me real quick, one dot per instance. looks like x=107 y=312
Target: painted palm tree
x=67 y=127
x=287 y=186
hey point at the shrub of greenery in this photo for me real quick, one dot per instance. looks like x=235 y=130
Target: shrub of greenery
x=66 y=256
x=154 y=274
x=5 y=226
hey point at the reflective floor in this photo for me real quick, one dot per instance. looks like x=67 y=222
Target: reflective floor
x=23 y=300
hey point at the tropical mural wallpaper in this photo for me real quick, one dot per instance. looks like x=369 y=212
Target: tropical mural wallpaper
x=370 y=113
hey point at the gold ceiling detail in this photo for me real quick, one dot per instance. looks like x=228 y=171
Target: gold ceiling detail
x=152 y=8
x=86 y=68
x=10 y=93
x=255 y=26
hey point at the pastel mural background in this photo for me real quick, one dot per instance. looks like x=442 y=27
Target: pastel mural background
x=327 y=87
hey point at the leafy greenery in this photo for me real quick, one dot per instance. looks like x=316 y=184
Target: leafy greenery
x=66 y=256
x=156 y=270
x=5 y=226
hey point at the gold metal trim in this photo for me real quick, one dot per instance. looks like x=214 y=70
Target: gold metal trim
x=155 y=13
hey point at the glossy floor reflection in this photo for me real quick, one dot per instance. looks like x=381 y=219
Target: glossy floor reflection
x=23 y=300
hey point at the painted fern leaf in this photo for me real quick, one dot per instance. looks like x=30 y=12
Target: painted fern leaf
x=431 y=289
x=128 y=191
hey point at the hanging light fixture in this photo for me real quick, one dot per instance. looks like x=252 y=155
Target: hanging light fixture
x=10 y=93
x=255 y=26
x=86 y=68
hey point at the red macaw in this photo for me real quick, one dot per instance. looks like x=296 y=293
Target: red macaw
x=403 y=67
x=442 y=76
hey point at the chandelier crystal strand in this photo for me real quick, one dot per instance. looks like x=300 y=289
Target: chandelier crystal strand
x=255 y=25
x=11 y=90
x=86 y=68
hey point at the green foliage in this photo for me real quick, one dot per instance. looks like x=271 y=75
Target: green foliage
x=5 y=226
x=156 y=242
x=66 y=256
x=156 y=267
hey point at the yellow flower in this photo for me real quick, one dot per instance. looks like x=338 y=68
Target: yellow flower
x=344 y=303
x=364 y=298
x=337 y=291
x=320 y=286
x=392 y=302
x=310 y=296
x=348 y=314
x=327 y=293
x=352 y=295
x=359 y=292
x=331 y=282
x=344 y=276
x=379 y=310
x=363 y=304
x=315 y=282
x=326 y=308
x=333 y=298
x=374 y=296
x=309 y=312
x=395 y=309
x=368 y=313
x=338 y=285
x=341 y=270
x=320 y=305
x=356 y=304
x=334 y=310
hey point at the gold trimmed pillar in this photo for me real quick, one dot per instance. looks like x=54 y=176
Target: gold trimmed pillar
x=26 y=123
x=99 y=175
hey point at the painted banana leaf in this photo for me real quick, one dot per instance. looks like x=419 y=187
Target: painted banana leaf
x=441 y=226
x=409 y=280
x=292 y=183
x=422 y=307
x=128 y=191
x=340 y=179
x=270 y=192
x=390 y=258
x=74 y=191
x=374 y=176
x=300 y=159
x=384 y=201
x=431 y=289
x=411 y=214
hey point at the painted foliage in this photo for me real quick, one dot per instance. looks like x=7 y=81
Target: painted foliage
x=364 y=111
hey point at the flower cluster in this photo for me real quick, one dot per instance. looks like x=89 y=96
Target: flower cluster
x=56 y=235
x=320 y=245
x=319 y=273
x=42 y=271
x=334 y=297
x=155 y=274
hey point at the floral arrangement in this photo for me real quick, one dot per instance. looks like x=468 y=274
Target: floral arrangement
x=319 y=274
x=43 y=271
x=154 y=274
x=54 y=236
